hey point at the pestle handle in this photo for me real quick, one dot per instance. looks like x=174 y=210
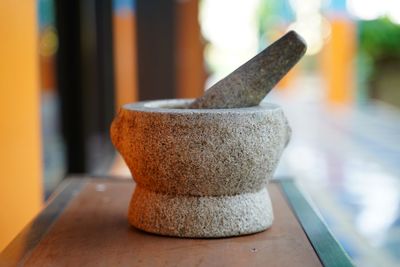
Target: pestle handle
x=251 y=82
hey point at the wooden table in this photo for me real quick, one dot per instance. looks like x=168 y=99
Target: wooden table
x=85 y=224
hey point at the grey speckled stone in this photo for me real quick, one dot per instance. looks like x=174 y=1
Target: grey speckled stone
x=250 y=83
x=193 y=216
x=200 y=172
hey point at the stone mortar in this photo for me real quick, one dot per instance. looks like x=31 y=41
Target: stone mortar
x=200 y=172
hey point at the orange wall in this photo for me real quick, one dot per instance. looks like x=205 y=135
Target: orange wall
x=20 y=156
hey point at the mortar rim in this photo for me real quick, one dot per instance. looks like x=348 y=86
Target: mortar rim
x=143 y=106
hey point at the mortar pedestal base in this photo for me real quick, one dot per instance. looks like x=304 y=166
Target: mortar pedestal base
x=200 y=216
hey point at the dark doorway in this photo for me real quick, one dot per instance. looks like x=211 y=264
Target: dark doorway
x=86 y=82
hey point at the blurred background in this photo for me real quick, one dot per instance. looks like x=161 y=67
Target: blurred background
x=66 y=67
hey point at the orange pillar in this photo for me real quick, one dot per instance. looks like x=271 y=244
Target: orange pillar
x=189 y=50
x=125 y=56
x=20 y=153
x=338 y=61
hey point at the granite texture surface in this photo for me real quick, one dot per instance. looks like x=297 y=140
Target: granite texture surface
x=207 y=216
x=200 y=172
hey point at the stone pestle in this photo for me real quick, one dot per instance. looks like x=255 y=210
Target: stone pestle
x=250 y=83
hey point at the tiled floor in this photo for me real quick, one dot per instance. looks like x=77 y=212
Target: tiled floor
x=347 y=161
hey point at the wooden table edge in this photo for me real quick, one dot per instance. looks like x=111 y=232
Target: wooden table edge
x=13 y=254
x=327 y=248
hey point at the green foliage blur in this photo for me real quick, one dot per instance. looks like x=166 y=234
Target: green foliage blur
x=379 y=38
x=379 y=61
